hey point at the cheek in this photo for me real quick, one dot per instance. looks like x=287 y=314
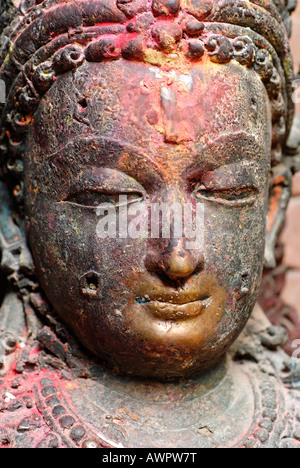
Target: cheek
x=234 y=250
x=88 y=281
x=234 y=246
x=69 y=255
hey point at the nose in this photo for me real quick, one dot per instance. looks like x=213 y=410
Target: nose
x=175 y=261
x=169 y=254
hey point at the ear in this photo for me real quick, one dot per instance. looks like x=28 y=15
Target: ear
x=280 y=194
x=15 y=257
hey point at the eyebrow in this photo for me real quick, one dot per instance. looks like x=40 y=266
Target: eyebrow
x=141 y=160
x=236 y=139
x=107 y=146
x=220 y=158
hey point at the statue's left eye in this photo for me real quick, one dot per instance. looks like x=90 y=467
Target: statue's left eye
x=93 y=199
x=230 y=196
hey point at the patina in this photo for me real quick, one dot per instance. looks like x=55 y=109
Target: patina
x=136 y=106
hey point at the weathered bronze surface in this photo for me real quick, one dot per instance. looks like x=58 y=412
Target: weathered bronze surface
x=141 y=104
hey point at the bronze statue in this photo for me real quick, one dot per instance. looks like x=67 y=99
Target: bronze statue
x=120 y=108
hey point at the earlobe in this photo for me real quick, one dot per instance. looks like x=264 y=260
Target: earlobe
x=279 y=196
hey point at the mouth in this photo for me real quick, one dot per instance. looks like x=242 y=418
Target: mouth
x=177 y=309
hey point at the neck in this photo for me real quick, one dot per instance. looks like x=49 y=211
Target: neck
x=137 y=413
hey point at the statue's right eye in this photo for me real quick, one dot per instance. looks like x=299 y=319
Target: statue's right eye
x=92 y=199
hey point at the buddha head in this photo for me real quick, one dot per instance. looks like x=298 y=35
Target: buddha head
x=144 y=145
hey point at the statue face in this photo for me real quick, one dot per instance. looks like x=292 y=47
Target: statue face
x=198 y=136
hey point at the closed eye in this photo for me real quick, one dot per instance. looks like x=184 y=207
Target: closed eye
x=234 y=196
x=92 y=199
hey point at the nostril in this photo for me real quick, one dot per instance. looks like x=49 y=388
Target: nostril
x=90 y=283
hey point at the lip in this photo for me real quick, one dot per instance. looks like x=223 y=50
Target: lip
x=178 y=311
x=174 y=296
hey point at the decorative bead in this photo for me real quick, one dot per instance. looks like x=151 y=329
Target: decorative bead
x=77 y=433
x=264 y=64
x=252 y=443
x=167 y=35
x=58 y=410
x=90 y=444
x=220 y=49
x=48 y=391
x=52 y=401
x=193 y=27
x=46 y=382
x=66 y=422
x=269 y=393
x=269 y=403
x=266 y=424
x=262 y=435
x=196 y=49
x=165 y=7
x=270 y=414
x=244 y=50
x=53 y=442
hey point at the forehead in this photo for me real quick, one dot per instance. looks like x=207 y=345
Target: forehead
x=175 y=110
